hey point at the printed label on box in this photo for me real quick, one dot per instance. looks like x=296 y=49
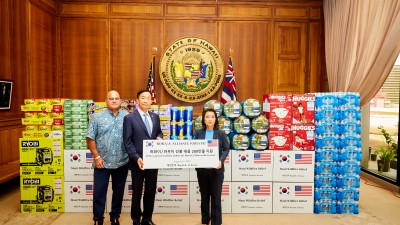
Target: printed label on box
x=293 y=197
x=252 y=165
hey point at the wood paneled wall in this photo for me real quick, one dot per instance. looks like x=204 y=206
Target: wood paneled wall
x=28 y=57
x=107 y=44
x=83 y=48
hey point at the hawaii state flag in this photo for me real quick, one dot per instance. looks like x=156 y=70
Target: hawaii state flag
x=229 y=91
x=151 y=85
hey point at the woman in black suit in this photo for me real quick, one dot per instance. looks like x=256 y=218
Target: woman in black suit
x=211 y=179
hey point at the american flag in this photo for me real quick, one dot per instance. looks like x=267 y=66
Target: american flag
x=303 y=158
x=262 y=158
x=89 y=189
x=130 y=191
x=179 y=189
x=229 y=91
x=89 y=157
x=225 y=189
x=262 y=190
x=303 y=190
x=151 y=85
x=212 y=143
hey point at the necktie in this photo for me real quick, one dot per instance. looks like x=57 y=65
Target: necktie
x=146 y=122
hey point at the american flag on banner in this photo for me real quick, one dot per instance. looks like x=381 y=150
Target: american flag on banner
x=262 y=190
x=229 y=91
x=179 y=189
x=89 y=157
x=151 y=85
x=225 y=190
x=303 y=190
x=303 y=158
x=212 y=143
x=262 y=158
x=89 y=189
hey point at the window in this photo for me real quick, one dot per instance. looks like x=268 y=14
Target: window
x=384 y=120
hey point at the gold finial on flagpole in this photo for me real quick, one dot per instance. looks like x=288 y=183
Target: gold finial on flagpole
x=230 y=52
x=154 y=50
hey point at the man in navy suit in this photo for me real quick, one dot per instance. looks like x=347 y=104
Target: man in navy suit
x=138 y=126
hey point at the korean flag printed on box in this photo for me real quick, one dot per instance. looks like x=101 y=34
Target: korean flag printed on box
x=226 y=197
x=293 y=197
x=78 y=165
x=172 y=197
x=251 y=197
x=294 y=166
x=251 y=165
x=227 y=173
x=78 y=196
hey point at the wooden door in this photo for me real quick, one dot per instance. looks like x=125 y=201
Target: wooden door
x=290 y=57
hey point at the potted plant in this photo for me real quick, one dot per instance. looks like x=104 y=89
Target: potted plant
x=386 y=153
x=372 y=155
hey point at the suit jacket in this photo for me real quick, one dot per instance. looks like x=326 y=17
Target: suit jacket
x=134 y=132
x=223 y=145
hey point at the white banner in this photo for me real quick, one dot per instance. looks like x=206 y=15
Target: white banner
x=159 y=154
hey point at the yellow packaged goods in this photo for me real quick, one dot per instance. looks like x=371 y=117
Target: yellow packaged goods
x=42 y=194
x=57 y=101
x=43 y=101
x=57 y=115
x=29 y=101
x=44 y=128
x=31 y=128
x=42 y=115
x=57 y=128
x=30 y=115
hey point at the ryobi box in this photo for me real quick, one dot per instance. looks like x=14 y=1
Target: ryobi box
x=42 y=194
x=41 y=156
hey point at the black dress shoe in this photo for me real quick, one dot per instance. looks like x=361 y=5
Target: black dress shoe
x=114 y=221
x=98 y=222
x=147 y=223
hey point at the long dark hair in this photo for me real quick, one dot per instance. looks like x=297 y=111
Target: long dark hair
x=216 y=127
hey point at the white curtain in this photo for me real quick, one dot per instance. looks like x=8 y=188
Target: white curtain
x=362 y=42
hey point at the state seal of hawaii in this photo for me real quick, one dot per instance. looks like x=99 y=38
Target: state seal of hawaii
x=191 y=69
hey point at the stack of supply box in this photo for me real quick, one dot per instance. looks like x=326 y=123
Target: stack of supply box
x=78 y=159
x=292 y=140
x=41 y=156
x=164 y=111
x=251 y=170
x=76 y=122
x=182 y=123
x=173 y=183
x=337 y=169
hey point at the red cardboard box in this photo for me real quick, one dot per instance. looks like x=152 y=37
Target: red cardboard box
x=303 y=137
x=303 y=109
x=278 y=108
x=280 y=136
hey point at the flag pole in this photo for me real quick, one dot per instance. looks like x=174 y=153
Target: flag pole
x=153 y=56
x=153 y=61
x=230 y=53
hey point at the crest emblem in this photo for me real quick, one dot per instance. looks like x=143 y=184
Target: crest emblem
x=191 y=69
